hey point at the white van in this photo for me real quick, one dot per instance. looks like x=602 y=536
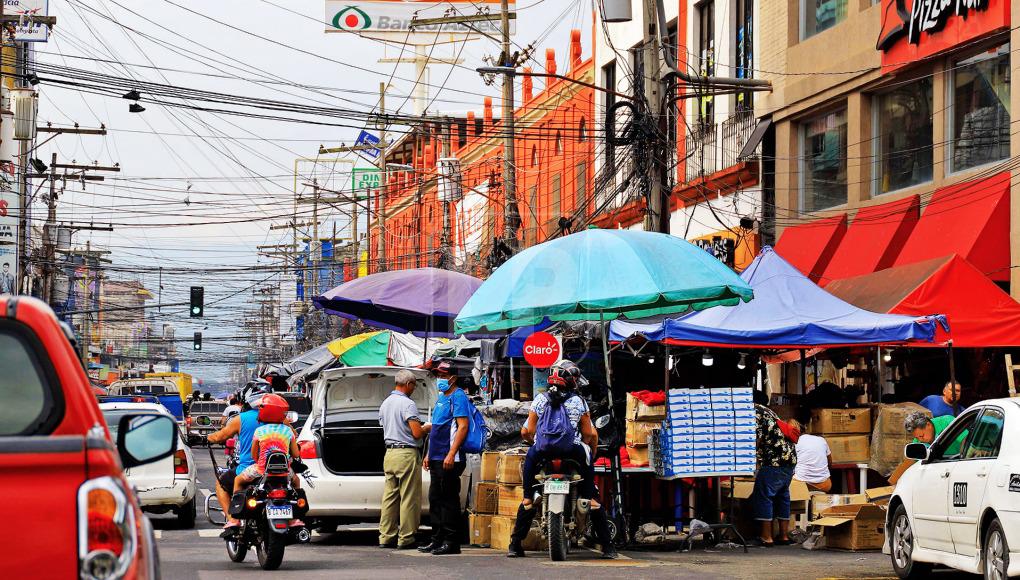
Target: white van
x=342 y=444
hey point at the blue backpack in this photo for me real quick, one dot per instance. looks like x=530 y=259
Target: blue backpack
x=555 y=434
x=478 y=433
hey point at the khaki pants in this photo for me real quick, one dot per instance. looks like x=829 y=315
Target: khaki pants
x=401 y=499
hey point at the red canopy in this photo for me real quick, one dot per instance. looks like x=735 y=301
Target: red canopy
x=874 y=239
x=980 y=314
x=808 y=247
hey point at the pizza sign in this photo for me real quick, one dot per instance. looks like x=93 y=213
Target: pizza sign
x=915 y=29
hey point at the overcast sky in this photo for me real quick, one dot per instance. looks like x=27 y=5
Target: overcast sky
x=198 y=190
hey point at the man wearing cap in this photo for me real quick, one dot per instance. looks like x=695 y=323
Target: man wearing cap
x=403 y=431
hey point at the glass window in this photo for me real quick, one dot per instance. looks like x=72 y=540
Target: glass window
x=980 y=109
x=581 y=190
x=904 y=136
x=706 y=57
x=609 y=81
x=554 y=206
x=819 y=15
x=987 y=435
x=823 y=142
x=26 y=400
x=950 y=443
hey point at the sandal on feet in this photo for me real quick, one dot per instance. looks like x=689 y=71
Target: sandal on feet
x=760 y=542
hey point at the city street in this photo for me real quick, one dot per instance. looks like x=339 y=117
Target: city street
x=352 y=553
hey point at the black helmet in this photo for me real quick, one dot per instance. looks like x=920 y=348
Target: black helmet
x=253 y=391
x=566 y=374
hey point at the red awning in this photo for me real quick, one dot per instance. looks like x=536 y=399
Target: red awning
x=809 y=247
x=970 y=219
x=874 y=239
x=980 y=314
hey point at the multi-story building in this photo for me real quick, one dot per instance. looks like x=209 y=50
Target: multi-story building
x=892 y=140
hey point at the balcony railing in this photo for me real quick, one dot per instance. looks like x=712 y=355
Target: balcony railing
x=702 y=151
x=735 y=132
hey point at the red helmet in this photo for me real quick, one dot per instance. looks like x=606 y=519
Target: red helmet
x=272 y=408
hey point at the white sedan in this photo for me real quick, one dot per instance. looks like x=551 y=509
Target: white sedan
x=959 y=505
x=165 y=485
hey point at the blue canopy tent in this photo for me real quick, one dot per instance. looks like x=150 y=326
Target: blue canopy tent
x=789 y=311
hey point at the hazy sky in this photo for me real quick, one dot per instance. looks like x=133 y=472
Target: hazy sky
x=198 y=190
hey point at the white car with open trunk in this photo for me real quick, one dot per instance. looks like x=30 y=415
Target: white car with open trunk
x=342 y=443
x=959 y=505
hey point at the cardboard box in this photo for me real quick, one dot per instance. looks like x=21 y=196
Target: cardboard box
x=638 y=456
x=638 y=411
x=840 y=421
x=889 y=437
x=510 y=497
x=486 y=498
x=490 y=466
x=743 y=487
x=479 y=529
x=877 y=494
x=510 y=469
x=499 y=534
x=848 y=449
x=853 y=527
x=822 y=502
x=638 y=432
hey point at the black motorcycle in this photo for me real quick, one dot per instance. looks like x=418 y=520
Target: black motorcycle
x=265 y=510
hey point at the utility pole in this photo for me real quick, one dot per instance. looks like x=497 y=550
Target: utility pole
x=48 y=233
x=650 y=156
x=384 y=180
x=511 y=215
x=314 y=248
x=445 y=243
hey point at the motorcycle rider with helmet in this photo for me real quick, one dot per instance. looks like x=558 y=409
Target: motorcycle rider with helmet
x=564 y=380
x=242 y=426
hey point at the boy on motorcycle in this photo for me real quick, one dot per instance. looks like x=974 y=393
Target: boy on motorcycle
x=564 y=380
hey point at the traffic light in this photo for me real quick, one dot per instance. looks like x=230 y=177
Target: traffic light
x=197 y=301
x=198 y=341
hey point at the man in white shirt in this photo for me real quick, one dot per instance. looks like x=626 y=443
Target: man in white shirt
x=813 y=460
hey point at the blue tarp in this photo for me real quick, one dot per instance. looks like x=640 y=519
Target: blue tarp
x=788 y=311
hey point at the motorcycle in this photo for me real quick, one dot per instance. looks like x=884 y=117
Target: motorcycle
x=564 y=514
x=265 y=510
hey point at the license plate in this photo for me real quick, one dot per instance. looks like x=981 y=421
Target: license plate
x=279 y=511
x=557 y=487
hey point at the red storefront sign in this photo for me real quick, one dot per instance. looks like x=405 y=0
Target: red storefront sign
x=915 y=29
x=541 y=350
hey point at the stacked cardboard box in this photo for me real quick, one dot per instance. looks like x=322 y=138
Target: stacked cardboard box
x=502 y=526
x=510 y=468
x=480 y=530
x=642 y=419
x=889 y=436
x=708 y=432
x=854 y=527
x=846 y=431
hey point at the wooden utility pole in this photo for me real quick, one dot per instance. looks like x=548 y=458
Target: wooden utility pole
x=445 y=244
x=657 y=213
x=380 y=203
x=511 y=215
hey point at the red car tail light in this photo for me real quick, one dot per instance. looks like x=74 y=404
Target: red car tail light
x=307 y=449
x=180 y=462
x=106 y=529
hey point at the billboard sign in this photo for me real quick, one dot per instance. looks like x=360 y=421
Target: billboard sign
x=366 y=179
x=381 y=16
x=28 y=30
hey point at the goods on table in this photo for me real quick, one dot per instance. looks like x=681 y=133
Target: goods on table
x=853 y=527
x=639 y=410
x=849 y=448
x=840 y=421
x=480 y=529
x=638 y=432
x=709 y=432
x=638 y=456
x=486 y=497
x=889 y=437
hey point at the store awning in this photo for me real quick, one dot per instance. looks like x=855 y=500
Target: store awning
x=970 y=219
x=980 y=314
x=788 y=311
x=810 y=246
x=874 y=239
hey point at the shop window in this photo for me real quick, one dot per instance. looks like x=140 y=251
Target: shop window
x=744 y=42
x=903 y=142
x=609 y=81
x=706 y=57
x=980 y=109
x=554 y=205
x=819 y=15
x=823 y=161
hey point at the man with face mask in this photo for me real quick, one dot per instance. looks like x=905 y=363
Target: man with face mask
x=445 y=460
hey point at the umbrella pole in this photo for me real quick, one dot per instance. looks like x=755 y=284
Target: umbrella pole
x=952 y=376
x=615 y=453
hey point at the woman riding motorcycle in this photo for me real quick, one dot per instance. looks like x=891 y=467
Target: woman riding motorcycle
x=564 y=379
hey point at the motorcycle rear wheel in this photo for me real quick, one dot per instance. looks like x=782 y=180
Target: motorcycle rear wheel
x=557 y=538
x=270 y=549
x=236 y=550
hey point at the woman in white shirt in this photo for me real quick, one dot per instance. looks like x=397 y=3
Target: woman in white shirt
x=813 y=460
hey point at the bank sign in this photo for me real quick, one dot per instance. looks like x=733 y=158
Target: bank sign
x=915 y=29
x=381 y=16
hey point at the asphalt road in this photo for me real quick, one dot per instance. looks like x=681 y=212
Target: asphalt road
x=352 y=553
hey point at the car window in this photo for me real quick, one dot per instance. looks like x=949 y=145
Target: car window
x=29 y=403
x=987 y=435
x=950 y=443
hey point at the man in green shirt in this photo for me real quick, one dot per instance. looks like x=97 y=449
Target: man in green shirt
x=925 y=429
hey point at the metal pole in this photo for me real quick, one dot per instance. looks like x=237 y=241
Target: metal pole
x=952 y=376
x=381 y=192
x=511 y=216
x=614 y=453
x=314 y=249
x=48 y=233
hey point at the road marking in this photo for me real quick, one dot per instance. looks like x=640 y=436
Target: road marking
x=209 y=533
x=158 y=534
x=205 y=492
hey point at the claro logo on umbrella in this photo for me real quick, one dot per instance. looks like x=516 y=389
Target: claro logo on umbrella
x=352 y=18
x=541 y=350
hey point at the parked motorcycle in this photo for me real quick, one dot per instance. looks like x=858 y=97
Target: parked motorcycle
x=564 y=515
x=265 y=510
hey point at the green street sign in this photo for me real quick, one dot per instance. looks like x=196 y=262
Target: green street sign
x=366 y=179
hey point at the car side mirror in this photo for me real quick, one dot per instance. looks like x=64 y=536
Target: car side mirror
x=143 y=439
x=916 y=451
x=602 y=421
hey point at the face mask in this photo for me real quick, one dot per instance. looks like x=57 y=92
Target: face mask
x=443 y=385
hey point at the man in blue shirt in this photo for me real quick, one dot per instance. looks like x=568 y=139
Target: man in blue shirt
x=948 y=403
x=445 y=461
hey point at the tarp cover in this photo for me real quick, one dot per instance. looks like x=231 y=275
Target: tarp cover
x=980 y=314
x=788 y=311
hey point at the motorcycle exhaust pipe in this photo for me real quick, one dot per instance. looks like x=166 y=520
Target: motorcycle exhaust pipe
x=303 y=536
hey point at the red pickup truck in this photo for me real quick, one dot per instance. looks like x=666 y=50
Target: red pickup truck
x=80 y=517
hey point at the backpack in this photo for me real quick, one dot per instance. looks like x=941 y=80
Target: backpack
x=554 y=434
x=478 y=432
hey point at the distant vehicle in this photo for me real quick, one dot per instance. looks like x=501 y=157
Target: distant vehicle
x=300 y=404
x=166 y=485
x=182 y=380
x=959 y=505
x=342 y=443
x=85 y=519
x=204 y=416
x=164 y=389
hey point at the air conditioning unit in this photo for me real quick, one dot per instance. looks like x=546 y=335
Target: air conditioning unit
x=450 y=187
x=25 y=103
